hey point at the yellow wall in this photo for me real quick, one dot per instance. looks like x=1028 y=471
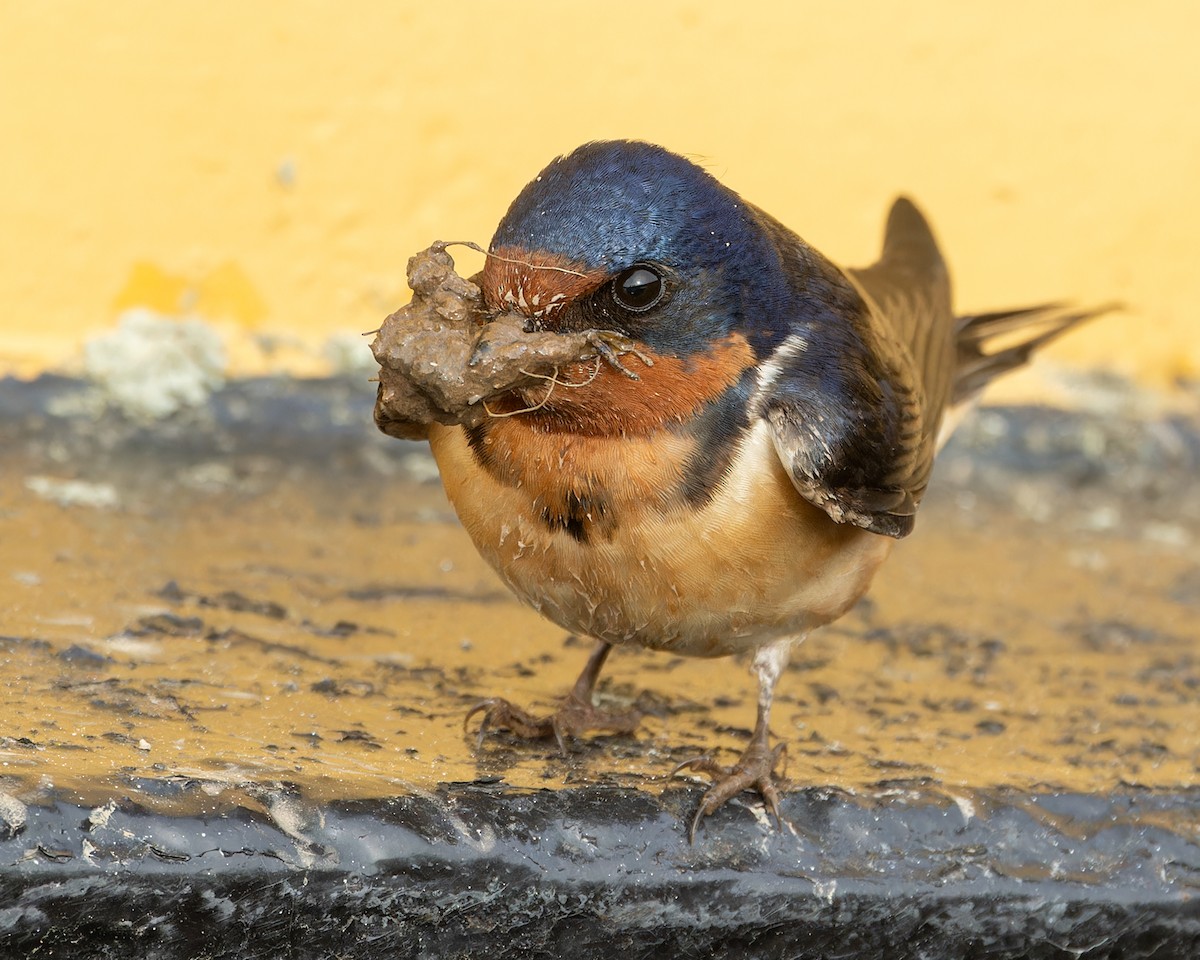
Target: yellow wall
x=271 y=165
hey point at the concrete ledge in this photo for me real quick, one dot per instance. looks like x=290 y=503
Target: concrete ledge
x=473 y=870
x=237 y=646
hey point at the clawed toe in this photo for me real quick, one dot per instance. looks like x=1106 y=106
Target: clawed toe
x=754 y=771
x=575 y=714
x=571 y=719
x=499 y=714
x=702 y=764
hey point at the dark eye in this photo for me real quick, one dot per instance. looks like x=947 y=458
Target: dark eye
x=638 y=288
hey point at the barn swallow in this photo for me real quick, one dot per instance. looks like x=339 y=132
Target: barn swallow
x=734 y=479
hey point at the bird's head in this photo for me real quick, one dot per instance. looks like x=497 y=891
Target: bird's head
x=630 y=237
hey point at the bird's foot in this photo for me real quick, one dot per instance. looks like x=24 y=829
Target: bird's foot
x=754 y=771
x=573 y=717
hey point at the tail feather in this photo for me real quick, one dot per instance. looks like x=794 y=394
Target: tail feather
x=955 y=357
x=985 y=341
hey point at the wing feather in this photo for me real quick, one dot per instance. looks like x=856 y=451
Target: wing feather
x=855 y=393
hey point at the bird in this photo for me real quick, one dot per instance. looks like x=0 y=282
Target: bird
x=734 y=480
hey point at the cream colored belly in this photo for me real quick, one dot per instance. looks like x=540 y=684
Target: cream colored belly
x=755 y=564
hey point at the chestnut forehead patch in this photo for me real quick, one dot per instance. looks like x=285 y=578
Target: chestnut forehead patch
x=536 y=284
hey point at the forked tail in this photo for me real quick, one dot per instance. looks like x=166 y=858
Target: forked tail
x=991 y=344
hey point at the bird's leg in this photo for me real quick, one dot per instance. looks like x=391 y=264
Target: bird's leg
x=756 y=768
x=576 y=714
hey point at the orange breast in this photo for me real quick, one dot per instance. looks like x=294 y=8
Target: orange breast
x=599 y=480
x=754 y=563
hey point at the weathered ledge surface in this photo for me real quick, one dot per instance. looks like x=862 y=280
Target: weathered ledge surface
x=237 y=646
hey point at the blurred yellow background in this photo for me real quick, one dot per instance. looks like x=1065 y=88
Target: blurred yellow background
x=269 y=167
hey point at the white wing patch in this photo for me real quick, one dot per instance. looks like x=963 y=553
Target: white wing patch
x=770 y=370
